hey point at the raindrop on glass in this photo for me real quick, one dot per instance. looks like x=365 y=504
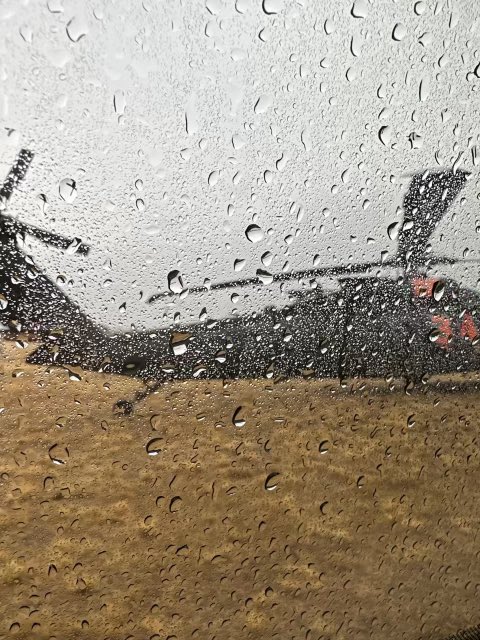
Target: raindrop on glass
x=359 y=9
x=385 y=134
x=153 y=446
x=399 y=32
x=237 y=419
x=175 y=281
x=254 y=233
x=263 y=104
x=67 y=189
x=271 y=7
x=271 y=481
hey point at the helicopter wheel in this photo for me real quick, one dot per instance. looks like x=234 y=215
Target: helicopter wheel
x=124 y=407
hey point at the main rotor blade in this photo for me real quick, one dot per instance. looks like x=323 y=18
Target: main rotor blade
x=16 y=173
x=307 y=273
x=280 y=277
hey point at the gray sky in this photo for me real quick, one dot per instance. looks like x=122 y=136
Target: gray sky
x=183 y=122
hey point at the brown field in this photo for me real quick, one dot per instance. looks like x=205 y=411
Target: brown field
x=377 y=537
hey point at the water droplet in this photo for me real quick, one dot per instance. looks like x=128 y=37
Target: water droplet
x=155 y=421
x=175 y=281
x=356 y=45
x=67 y=188
x=175 y=504
x=241 y=6
x=420 y=8
x=213 y=6
x=221 y=356
x=263 y=104
x=55 y=452
x=254 y=233
x=323 y=446
x=323 y=507
x=238 y=141
x=281 y=162
x=328 y=26
x=411 y=421
x=306 y=139
x=361 y=482
x=237 y=419
x=385 y=134
x=191 y=119
x=119 y=102
x=26 y=33
x=264 y=276
x=415 y=140
x=179 y=342
x=239 y=264
x=3 y=302
x=264 y=34
x=399 y=32
x=267 y=258
x=213 y=178
x=426 y=39
x=438 y=290
x=271 y=481
x=55 y=6
x=359 y=9
x=140 y=204
x=393 y=230
x=76 y=28
x=424 y=90
x=153 y=446
x=271 y=7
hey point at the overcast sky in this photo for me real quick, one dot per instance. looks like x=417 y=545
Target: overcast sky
x=184 y=122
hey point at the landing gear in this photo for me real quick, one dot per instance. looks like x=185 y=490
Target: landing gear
x=126 y=407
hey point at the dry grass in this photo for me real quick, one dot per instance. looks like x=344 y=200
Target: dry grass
x=376 y=538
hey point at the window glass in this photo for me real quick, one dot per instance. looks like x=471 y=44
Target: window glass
x=239 y=314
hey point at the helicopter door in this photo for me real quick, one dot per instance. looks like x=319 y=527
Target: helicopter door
x=375 y=337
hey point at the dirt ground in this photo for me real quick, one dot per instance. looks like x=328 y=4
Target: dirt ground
x=293 y=510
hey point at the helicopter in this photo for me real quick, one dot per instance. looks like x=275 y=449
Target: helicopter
x=375 y=325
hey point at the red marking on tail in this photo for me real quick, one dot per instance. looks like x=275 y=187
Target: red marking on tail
x=444 y=326
x=423 y=287
x=468 y=328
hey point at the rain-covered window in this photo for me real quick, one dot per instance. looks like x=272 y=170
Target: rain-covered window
x=239 y=319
